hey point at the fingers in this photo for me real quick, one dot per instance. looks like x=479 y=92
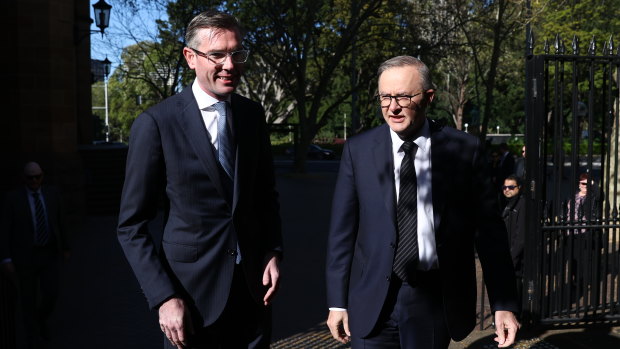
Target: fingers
x=501 y=336
x=172 y=319
x=506 y=330
x=338 y=324
x=271 y=276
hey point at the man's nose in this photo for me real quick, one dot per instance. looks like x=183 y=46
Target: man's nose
x=228 y=63
x=394 y=105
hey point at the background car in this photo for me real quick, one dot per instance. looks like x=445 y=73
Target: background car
x=314 y=152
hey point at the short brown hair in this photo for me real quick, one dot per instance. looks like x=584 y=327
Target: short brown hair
x=210 y=19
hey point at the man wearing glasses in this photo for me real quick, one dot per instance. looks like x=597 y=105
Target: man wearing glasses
x=33 y=242
x=514 y=218
x=206 y=151
x=412 y=204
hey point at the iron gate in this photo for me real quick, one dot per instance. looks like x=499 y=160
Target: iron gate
x=572 y=131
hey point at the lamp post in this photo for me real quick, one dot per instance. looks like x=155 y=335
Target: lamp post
x=102 y=21
x=106 y=71
x=466 y=125
x=102 y=15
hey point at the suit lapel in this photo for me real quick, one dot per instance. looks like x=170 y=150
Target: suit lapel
x=440 y=169
x=240 y=134
x=25 y=207
x=384 y=162
x=194 y=128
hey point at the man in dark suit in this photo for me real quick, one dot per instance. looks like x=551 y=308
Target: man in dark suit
x=411 y=202
x=33 y=242
x=206 y=151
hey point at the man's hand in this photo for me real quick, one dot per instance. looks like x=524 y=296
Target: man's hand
x=271 y=277
x=174 y=321
x=338 y=323
x=506 y=326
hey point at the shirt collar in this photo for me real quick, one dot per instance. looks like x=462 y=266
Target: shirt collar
x=30 y=191
x=202 y=98
x=420 y=139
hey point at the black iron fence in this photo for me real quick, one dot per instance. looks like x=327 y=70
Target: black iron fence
x=572 y=185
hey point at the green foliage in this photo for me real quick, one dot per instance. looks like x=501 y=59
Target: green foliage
x=313 y=61
x=583 y=19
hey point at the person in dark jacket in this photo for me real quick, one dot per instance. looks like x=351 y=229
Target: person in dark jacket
x=514 y=217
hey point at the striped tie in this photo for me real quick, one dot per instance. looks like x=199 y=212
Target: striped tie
x=226 y=155
x=406 y=259
x=41 y=232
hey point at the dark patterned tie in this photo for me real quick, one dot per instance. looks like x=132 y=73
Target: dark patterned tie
x=407 y=258
x=226 y=155
x=41 y=232
x=225 y=149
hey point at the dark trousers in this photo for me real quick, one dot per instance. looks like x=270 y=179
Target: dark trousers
x=38 y=292
x=412 y=317
x=243 y=324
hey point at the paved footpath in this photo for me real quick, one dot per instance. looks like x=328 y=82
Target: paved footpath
x=101 y=305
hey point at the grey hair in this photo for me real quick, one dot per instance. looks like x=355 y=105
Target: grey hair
x=210 y=19
x=403 y=61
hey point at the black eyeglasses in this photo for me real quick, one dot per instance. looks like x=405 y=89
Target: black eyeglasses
x=583 y=183
x=403 y=101
x=240 y=56
x=510 y=187
x=35 y=177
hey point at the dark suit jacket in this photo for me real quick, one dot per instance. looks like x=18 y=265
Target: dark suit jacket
x=363 y=229
x=17 y=229
x=170 y=153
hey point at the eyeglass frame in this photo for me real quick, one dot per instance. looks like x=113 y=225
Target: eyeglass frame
x=382 y=97
x=510 y=187
x=228 y=54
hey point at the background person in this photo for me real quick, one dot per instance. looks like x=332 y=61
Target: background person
x=33 y=242
x=584 y=209
x=411 y=202
x=207 y=149
x=514 y=218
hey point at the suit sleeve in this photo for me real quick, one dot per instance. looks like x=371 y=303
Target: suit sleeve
x=269 y=205
x=144 y=182
x=492 y=241
x=342 y=233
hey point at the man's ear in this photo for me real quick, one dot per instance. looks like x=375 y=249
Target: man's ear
x=190 y=57
x=429 y=95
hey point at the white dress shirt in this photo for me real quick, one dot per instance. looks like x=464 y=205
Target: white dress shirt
x=426 y=227
x=206 y=104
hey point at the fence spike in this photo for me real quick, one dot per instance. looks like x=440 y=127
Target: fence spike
x=575 y=45
x=604 y=48
x=546 y=48
x=556 y=44
x=610 y=46
x=530 y=43
x=592 y=49
x=562 y=47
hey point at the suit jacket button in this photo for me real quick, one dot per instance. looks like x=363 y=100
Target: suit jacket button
x=388 y=278
x=231 y=252
x=392 y=245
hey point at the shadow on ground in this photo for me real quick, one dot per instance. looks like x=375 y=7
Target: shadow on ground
x=599 y=337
